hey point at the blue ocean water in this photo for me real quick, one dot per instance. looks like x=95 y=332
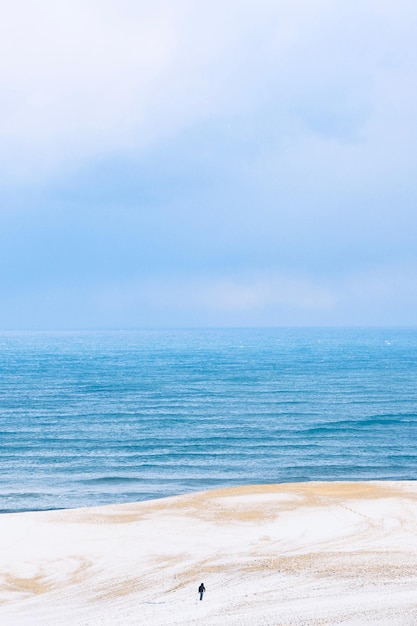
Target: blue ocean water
x=91 y=418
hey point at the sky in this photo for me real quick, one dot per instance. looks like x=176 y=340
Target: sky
x=180 y=163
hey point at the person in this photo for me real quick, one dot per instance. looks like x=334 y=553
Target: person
x=201 y=590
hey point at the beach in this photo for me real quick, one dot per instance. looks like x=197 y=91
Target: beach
x=300 y=553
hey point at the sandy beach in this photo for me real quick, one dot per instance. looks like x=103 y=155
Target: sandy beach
x=303 y=553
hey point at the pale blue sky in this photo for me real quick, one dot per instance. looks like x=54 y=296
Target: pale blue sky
x=185 y=163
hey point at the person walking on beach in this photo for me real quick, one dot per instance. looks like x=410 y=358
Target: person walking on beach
x=201 y=590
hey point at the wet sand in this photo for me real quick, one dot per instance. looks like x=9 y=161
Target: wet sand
x=303 y=553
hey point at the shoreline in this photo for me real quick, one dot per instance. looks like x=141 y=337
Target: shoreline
x=337 y=552
x=210 y=490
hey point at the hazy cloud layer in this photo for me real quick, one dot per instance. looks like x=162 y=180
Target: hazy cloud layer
x=189 y=163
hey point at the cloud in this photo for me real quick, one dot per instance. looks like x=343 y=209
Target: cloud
x=264 y=292
x=383 y=295
x=76 y=82
x=180 y=162
x=80 y=80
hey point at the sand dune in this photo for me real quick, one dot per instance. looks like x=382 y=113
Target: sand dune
x=310 y=554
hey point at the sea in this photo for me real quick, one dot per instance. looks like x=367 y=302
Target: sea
x=93 y=418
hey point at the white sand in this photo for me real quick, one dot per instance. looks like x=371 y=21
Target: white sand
x=310 y=554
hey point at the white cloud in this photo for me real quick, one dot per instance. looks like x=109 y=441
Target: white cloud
x=384 y=295
x=220 y=300
x=75 y=81
x=266 y=291
x=81 y=80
